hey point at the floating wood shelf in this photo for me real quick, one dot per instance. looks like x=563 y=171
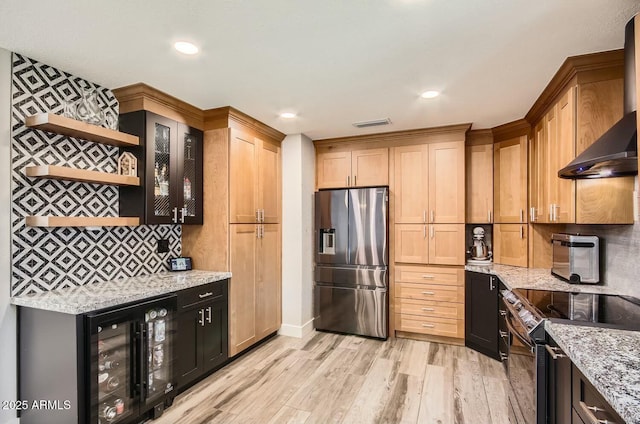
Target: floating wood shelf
x=66 y=126
x=82 y=221
x=82 y=175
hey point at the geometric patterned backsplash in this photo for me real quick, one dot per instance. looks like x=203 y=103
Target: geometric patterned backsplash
x=48 y=258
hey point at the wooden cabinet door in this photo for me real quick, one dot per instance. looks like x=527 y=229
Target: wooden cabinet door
x=446 y=182
x=510 y=244
x=369 y=167
x=269 y=182
x=479 y=176
x=412 y=243
x=268 y=281
x=538 y=181
x=563 y=194
x=333 y=169
x=446 y=244
x=242 y=178
x=410 y=183
x=242 y=287
x=510 y=180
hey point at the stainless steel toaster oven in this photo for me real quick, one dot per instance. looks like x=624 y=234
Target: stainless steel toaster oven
x=576 y=258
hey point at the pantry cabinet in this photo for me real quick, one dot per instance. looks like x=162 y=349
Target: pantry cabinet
x=170 y=165
x=354 y=168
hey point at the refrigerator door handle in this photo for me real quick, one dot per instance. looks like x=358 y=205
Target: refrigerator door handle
x=144 y=370
x=136 y=360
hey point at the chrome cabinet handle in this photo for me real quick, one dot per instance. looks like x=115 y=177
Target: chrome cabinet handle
x=433 y=216
x=491 y=285
x=590 y=410
x=428 y=325
x=355 y=180
x=257 y=231
x=428 y=277
x=424 y=216
x=257 y=215
x=521 y=215
x=175 y=215
x=428 y=309
x=521 y=232
x=348 y=180
x=183 y=212
x=553 y=352
x=209 y=314
x=503 y=312
x=550 y=212
x=504 y=356
x=428 y=292
x=201 y=320
x=432 y=231
x=262 y=218
x=533 y=214
x=489 y=217
x=424 y=231
x=503 y=334
x=262 y=231
x=203 y=295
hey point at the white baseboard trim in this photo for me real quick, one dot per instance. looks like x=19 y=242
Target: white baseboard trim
x=298 y=331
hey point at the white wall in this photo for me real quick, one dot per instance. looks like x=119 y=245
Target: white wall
x=298 y=182
x=7 y=311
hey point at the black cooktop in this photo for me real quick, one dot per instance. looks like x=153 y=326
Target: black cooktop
x=604 y=310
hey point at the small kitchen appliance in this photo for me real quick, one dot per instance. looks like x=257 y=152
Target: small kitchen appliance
x=479 y=252
x=576 y=258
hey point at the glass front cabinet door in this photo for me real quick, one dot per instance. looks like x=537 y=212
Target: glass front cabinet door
x=170 y=170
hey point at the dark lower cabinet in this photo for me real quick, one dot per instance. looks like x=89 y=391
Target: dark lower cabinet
x=202 y=331
x=481 y=313
x=588 y=403
x=558 y=370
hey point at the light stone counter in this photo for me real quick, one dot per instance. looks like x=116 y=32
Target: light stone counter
x=608 y=358
x=92 y=297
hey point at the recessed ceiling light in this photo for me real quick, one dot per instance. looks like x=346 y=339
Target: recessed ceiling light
x=288 y=115
x=430 y=94
x=186 y=47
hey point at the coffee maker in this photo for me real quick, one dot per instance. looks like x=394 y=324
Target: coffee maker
x=479 y=253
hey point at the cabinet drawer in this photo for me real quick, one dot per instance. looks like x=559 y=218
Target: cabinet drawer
x=206 y=292
x=430 y=292
x=427 y=308
x=430 y=325
x=588 y=403
x=429 y=275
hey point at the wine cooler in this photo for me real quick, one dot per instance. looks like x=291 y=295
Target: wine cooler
x=132 y=360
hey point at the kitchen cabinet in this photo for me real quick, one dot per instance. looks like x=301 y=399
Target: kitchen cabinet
x=588 y=403
x=441 y=244
x=510 y=244
x=254 y=296
x=538 y=171
x=429 y=183
x=558 y=380
x=355 y=168
x=479 y=176
x=202 y=331
x=169 y=164
x=510 y=180
x=481 y=313
x=254 y=189
x=430 y=300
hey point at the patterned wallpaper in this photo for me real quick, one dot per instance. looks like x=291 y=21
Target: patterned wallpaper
x=46 y=259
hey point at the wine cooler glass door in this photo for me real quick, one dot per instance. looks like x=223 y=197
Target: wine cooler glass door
x=159 y=356
x=114 y=396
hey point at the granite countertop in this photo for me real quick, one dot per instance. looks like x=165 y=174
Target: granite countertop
x=92 y=297
x=609 y=359
x=515 y=277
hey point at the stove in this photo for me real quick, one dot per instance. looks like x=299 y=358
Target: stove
x=603 y=310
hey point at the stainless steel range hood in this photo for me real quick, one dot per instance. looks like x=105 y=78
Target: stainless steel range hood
x=615 y=154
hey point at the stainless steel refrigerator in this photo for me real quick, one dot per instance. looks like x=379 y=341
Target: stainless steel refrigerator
x=352 y=256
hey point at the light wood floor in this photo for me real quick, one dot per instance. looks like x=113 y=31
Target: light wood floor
x=330 y=378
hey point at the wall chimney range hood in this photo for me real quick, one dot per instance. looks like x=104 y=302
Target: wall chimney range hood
x=615 y=153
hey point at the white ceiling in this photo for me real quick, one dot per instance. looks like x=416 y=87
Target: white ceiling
x=334 y=62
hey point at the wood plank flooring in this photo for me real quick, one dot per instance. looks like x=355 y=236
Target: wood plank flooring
x=331 y=378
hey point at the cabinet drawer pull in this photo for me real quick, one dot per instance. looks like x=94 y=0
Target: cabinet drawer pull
x=428 y=309
x=503 y=312
x=590 y=411
x=503 y=334
x=429 y=325
x=553 y=352
x=428 y=292
x=504 y=356
x=428 y=276
x=203 y=295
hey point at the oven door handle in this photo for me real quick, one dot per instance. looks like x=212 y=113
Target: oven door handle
x=517 y=334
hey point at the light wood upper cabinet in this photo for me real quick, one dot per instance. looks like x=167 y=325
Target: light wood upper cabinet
x=357 y=168
x=333 y=169
x=510 y=244
x=479 y=176
x=254 y=179
x=510 y=180
x=563 y=191
x=411 y=183
x=446 y=182
x=538 y=171
x=441 y=244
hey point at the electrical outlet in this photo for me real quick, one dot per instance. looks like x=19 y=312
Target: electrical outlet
x=163 y=246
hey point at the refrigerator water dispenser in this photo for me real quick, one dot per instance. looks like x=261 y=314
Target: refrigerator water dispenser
x=327 y=241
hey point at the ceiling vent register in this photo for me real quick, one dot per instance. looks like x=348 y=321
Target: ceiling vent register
x=375 y=123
